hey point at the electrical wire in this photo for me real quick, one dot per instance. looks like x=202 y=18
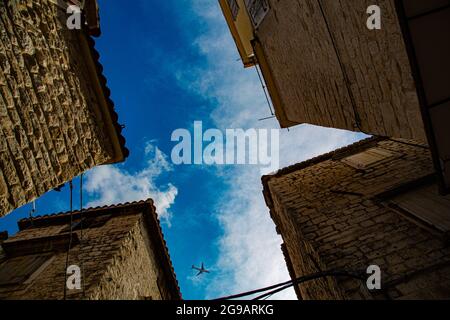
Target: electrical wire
x=310 y=278
x=271 y=290
x=271 y=293
x=266 y=118
x=70 y=239
x=81 y=236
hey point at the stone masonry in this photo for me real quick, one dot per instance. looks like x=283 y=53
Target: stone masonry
x=120 y=250
x=333 y=216
x=56 y=118
x=330 y=70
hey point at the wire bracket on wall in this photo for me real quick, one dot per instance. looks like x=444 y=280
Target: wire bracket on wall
x=264 y=87
x=266 y=118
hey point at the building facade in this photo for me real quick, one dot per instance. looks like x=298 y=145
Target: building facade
x=56 y=116
x=323 y=65
x=375 y=202
x=119 y=249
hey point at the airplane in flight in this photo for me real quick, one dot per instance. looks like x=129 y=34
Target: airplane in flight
x=200 y=270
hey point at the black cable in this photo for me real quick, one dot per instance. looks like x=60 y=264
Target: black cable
x=81 y=235
x=308 y=278
x=285 y=285
x=249 y=293
x=271 y=293
x=70 y=239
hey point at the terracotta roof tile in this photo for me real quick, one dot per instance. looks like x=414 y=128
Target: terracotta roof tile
x=107 y=95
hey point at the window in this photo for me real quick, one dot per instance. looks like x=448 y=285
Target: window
x=99 y=221
x=426 y=205
x=25 y=247
x=257 y=9
x=17 y=270
x=368 y=158
x=75 y=226
x=234 y=7
x=92 y=222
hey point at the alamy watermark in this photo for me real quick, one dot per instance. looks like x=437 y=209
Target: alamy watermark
x=73 y=281
x=374 y=280
x=74 y=20
x=229 y=147
x=374 y=20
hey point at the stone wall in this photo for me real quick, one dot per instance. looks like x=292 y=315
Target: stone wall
x=331 y=70
x=329 y=217
x=133 y=273
x=118 y=259
x=51 y=124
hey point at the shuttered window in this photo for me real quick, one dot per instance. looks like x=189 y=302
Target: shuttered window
x=234 y=7
x=257 y=10
x=368 y=158
x=17 y=270
x=91 y=222
x=425 y=204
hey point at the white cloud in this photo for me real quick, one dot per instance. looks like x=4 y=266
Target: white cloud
x=250 y=254
x=111 y=184
x=249 y=250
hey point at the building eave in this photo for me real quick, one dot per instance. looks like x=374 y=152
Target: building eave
x=113 y=127
x=247 y=60
x=107 y=112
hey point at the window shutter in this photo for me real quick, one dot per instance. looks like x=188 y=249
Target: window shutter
x=368 y=158
x=257 y=9
x=17 y=270
x=234 y=7
x=426 y=204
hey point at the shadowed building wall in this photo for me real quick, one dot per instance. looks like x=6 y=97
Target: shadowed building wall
x=373 y=203
x=120 y=249
x=56 y=117
x=322 y=65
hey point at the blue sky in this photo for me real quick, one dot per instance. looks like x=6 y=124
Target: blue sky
x=169 y=63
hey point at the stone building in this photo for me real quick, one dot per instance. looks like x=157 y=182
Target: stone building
x=119 y=249
x=375 y=202
x=56 y=116
x=323 y=65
